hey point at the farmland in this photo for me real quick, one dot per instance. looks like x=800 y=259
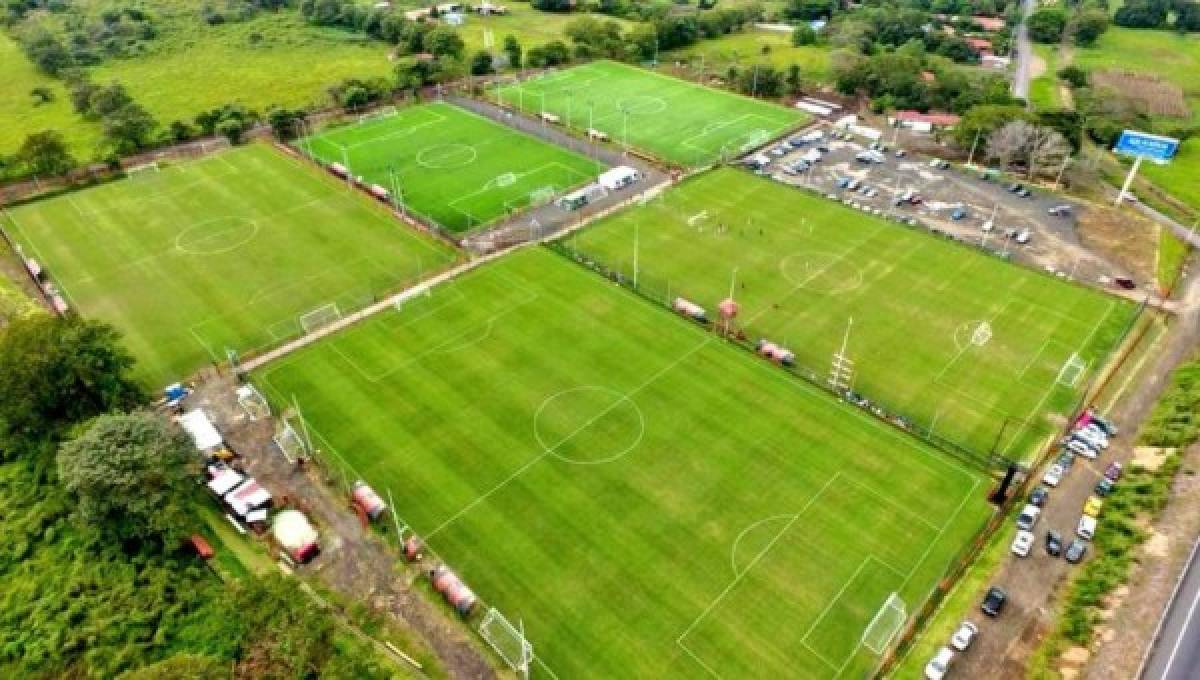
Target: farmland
x=967 y=345
x=225 y=252
x=648 y=500
x=748 y=48
x=451 y=165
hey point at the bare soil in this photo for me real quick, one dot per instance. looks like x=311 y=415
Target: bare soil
x=1128 y=239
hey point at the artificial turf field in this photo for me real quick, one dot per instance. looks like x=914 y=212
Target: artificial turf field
x=807 y=265
x=648 y=500
x=221 y=252
x=676 y=120
x=451 y=165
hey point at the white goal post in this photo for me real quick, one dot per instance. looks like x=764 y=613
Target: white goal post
x=1072 y=370
x=253 y=402
x=144 y=169
x=508 y=641
x=384 y=112
x=290 y=443
x=320 y=317
x=888 y=622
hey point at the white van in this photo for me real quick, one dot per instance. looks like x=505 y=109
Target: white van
x=1028 y=517
x=1087 y=527
x=1081 y=448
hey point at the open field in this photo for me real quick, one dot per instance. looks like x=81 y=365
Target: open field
x=1178 y=177
x=745 y=49
x=1044 y=89
x=451 y=165
x=20 y=118
x=648 y=500
x=1166 y=54
x=674 y=119
x=530 y=26
x=221 y=252
x=962 y=343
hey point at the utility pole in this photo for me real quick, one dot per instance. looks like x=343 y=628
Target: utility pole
x=974 y=144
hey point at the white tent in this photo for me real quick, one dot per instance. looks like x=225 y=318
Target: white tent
x=203 y=432
x=293 y=530
x=224 y=480
x=618 y=177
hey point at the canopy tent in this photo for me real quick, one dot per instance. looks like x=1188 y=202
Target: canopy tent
x=201 y=429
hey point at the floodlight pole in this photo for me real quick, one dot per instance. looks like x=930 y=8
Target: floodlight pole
x=570 y=106
x=397 y=200
x=395 y=518
x=349 y=172
x=636 y=230
x=1061 y=170
x=1137 y=163
x=625 y=133
x=974 y=144
x=846 y=337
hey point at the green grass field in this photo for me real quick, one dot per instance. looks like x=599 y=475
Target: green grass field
x=807 y=265
x=1172 y=56
x=1178 y=177
x=451 y=165
x=20 y=118
x=648 y=500
x=745 y=49
x=1044 y=90
x=676 y=120
x=221 y=252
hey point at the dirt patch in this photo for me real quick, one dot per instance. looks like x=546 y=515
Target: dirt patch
x=1158 y=545
x=1154 y=95
x=1150 y=457
x=1128 y=239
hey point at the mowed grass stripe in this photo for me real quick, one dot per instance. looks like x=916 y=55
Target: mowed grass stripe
x=451 y=165
x=806 y=266
x=676 y=120
x=611 y=524
x=221 y=252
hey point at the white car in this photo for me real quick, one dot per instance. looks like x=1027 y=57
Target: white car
x=1080 y=447
x=1028 y=518
x=964 y=636
x=938 y=666
x=1023 y=543
x=1053 y=475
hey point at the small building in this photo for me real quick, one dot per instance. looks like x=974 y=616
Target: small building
x=576 y=199
x=924 y=122
x=989 y=24
x=366 y=498
x=979 y=46
x=486 y=8
x=995 y=61
x=550 y=118
x=618 y=177
x=203 y=433
x=296 y=535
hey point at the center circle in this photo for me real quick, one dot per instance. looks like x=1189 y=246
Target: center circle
x=821 y=271
x=443 y=156
x=965 y=334
x=216 y=236
x=641 y=104
x=588 y=425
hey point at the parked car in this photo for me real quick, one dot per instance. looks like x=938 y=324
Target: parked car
x=901 y=153
x=1087 y=527
x=1076 y=551
x=1053 y=543
x=988 y=226
x=1024 y=193
x=1023 y=236
x=1039 y=495
x=939 y=665
x=843 y=182
x=964 y=636
x=1113 y=471
x=958 y=213
x=1066 y=459
x=1081 y=448
x=1104 y=487
x=1053 y=475
x=1102 y=422
x=1093 y=506
x=1014 y=188
x=1022 y=543
x=1059 y=211
x=1028 y=517
x=993 y=602
x=1125 y=282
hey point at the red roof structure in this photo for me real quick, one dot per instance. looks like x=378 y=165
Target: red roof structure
x=935 y=118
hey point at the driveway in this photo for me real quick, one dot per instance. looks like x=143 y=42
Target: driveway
x=1021 y=77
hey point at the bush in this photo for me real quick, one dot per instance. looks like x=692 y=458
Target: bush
x=1047 y=25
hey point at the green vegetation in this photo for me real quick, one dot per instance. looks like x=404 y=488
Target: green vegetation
x=1167 y=55
x=224 y=252
x=20 y=113
x=1178 y=178
x=1172 y=257
x=746 y=49
x=680 y=121
x=806 y=266
x=1175 y=421
x=1044 y=90
x=632 y=473
x=451 y=165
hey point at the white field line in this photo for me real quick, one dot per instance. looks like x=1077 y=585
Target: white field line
x=62 y=286
x=519 y=471
x=896 y=506
x=837 y=596
x=991 y=322
x=938 y=539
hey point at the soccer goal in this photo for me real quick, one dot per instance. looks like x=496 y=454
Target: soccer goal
x=253 y=402
x=320 y=317
x=508 y=641
x=142 y=171
x=1072 y=371
x=378 y=114
x=888 y=621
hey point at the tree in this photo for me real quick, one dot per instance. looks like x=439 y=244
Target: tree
x=285 y=123
x=804 y=35
x=552 y=5
x=411 y=74
x=46 y=52
x=443 y=41
x=128 y=129
x=1141 y=14
x=1047 y=149
x=481 y=63
x=1075 y=75
x=129 y=472
x=1187 y=17
x=55 y=372
x=512 y=48
x=41 y=95
x=104 y=101
x=45 y=153
x=1089 y=25
x=1010 y=142
x=808 y=10
x=1047 y=25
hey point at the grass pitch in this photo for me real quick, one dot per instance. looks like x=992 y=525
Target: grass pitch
x=648 y=500
x=221 y=252
x=451 y=165
x=676 y=120
x=806 y=266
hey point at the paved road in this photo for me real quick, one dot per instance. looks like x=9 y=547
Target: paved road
x=1176 y=653
x=1020 y=85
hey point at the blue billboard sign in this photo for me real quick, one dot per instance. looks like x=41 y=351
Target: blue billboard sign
x=1153 y=147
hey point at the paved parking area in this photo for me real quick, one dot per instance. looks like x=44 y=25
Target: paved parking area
x=943 y=189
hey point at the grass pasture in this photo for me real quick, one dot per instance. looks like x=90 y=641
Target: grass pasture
x=221 y=252
x=806 y=266
x=674 y=119
x=648 y=500
x=1172 y=56
x=451 y=165
x=762 y=47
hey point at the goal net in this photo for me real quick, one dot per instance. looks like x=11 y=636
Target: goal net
x=888 y=621
x=542 y=195
x=507 y=640
x=1072 y=370
x=320 y=317
x=144 y=170
x=253 y=402
x=385 y=112
x=290 y=443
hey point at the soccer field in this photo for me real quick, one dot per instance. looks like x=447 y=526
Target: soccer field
x=451 y=165
x=224 y=252
x=964 y=344
x=676 y=120
x=648 y=500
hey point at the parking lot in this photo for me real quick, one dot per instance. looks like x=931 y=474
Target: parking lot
x=1036 y=228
